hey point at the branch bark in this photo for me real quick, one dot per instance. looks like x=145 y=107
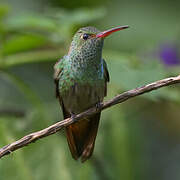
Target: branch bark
x=61 y=124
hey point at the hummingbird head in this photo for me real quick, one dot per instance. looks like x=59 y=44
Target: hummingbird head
x=89 y=41
x=85 y=40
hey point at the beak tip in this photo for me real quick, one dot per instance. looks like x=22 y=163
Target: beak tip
x=108 y=32
x=126 y=26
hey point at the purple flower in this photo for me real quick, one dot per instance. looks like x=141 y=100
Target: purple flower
x=169 y=54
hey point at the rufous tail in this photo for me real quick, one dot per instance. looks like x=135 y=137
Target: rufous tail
x=81 y=137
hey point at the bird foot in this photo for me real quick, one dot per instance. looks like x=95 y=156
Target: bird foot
x=72 y=115
x=98 y=106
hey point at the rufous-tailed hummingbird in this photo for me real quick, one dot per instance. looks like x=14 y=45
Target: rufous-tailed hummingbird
x=81 y=79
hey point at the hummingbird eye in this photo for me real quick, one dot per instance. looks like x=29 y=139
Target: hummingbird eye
x=85 y=36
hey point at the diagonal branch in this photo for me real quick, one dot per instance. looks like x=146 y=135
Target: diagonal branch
x=61 y=124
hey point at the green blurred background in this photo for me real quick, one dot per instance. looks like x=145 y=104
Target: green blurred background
x=138 y=139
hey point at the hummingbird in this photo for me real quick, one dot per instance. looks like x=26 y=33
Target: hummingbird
x=81 y=79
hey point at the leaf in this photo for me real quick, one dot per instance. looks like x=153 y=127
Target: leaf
x=19 y=43
x=4 y=9
x=33 y=22
x=79 y=16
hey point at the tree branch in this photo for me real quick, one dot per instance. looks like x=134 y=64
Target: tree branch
x=61 y=124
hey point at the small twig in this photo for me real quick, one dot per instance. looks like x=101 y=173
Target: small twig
x=59 y=125
x=12 y=112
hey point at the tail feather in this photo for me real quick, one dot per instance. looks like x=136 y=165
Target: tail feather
x=89 y=146
x=81 y=137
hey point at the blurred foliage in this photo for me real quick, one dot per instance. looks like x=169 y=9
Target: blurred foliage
x=139 y=139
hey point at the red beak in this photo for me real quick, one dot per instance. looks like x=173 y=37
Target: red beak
x=108 y=32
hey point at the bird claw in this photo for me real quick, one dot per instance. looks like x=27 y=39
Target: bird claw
x=72 y=115
x=98 y=106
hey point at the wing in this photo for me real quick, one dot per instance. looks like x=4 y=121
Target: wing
x=106 y=76
x=57 y=70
